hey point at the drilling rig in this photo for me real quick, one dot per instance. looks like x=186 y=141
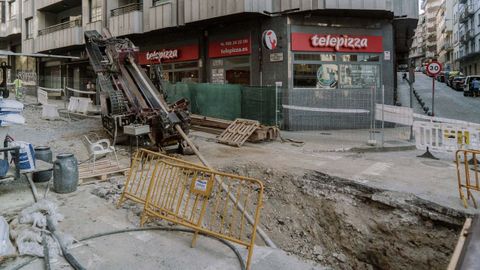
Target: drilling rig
x=129 y=97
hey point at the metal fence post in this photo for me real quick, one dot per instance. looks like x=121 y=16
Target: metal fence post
x=383 y=116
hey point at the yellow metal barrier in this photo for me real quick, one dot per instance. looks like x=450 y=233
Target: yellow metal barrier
x=467 y=174
x=197 y=197
x=140 y=174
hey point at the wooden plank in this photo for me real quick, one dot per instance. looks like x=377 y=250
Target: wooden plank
x=461 y=242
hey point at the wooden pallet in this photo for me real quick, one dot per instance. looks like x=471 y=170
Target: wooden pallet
x=238 y=132
x=103 y=169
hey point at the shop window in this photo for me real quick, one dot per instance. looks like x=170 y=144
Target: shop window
x=360 y=58
x=231 y=70
x=180 y=72
x=315 y=57
x=315 y=75
x=359 y=76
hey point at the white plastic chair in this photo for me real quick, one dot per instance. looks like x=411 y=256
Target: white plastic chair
x=99 y=149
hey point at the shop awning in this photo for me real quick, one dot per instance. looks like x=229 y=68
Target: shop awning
x=7 y=53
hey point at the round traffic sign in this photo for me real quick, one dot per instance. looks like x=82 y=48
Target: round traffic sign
x=434 y=68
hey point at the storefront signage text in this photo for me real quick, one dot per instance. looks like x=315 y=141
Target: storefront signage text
x=231 y=47
x=178 y=54
x=336 y=43
x=160 y=55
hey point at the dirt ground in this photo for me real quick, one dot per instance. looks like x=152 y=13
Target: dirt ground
x=333 y=221
x=348 y=226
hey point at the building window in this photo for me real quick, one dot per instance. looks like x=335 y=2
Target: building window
x=12 y=6
x=331 y=71
x=3 y=12
x=95 y=7
x=185 y=72
x=29 y=28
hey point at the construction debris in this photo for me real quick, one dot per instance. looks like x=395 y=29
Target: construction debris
x=217 y=126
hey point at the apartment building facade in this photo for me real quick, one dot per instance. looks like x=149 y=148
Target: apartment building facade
x=295 y=43
x=467 y=36
x=417 y=49
x=431 y=8
x=444 y=34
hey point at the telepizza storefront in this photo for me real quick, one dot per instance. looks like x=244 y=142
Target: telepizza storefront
x=176 y=64
x=230 y=60
x=337 y=61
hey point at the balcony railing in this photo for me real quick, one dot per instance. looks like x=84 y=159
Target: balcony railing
x=60 y=26
x=126 y=9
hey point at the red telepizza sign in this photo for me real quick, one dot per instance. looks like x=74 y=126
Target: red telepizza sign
x=179 y=54
x=336 y=43
x=231 y=47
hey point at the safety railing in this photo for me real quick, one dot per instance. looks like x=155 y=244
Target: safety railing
x=205 y=200
x=126 y=9
x=467 y=174
x=60 y=26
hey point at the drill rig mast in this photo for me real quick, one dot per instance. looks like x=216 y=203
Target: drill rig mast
x=128 y=96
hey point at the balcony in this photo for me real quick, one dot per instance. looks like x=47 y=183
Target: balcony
x=447 y=47
x=56 y=5
x=163 y=14
x=126 y=20
x=14 y=26
x=60 y=35
x=466 y=14
x=28 y=8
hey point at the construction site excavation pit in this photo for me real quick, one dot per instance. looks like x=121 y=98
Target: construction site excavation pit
x=339 y=223
x=344 y=225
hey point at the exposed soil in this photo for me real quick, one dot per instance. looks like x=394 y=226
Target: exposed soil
x=349 y=226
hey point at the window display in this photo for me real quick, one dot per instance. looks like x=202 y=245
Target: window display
x=331 y=71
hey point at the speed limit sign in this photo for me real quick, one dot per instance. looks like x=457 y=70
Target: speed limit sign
x=434 y=68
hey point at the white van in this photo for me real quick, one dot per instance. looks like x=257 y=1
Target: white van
x=467 y=90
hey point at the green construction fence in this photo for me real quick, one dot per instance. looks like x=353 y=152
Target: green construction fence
x=227 y=101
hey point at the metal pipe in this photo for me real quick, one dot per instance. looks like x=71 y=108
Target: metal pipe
x=240 y=207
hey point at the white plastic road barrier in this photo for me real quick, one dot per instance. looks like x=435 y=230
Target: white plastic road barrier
x=79 y=104
x=394 y=114
x=445 y=137
x=42 y=96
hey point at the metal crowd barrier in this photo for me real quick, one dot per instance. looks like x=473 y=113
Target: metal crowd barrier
x=467 y=174
x=196 y=197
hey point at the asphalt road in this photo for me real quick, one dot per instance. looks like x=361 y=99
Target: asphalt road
x=448 y=102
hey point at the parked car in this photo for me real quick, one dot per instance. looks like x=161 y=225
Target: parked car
x=441 y=77
x=457 y=83
x=451 y=75
x=467 y=85
x=418 y=69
